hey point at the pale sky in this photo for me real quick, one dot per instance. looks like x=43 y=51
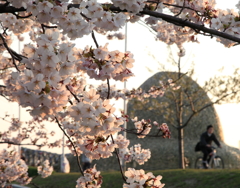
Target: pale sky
x=208 y=54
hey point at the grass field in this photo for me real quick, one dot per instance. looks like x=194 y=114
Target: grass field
x=189 y=178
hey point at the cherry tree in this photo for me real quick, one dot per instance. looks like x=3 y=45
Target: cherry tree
x=50 y=75
x=180 y=107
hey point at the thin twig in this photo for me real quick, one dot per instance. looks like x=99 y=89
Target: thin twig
x=10 y=52
x=74 y=147
x=94 y=39
x=108 y=84
x=77 y=99
x=5 y=97
x=119 y=163
x=22 y=16
x=141 y=134
x=191 y=101
x=206 y=106
x=47 y=26
x=181 y=9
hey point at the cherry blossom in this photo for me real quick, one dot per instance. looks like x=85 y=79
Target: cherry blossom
x=45 y=169
x=138 y=178
x=91 y=178
x=13 y=168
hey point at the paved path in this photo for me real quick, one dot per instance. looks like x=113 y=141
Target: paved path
x=18 y=186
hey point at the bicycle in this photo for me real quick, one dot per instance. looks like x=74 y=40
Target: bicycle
x=215 y=162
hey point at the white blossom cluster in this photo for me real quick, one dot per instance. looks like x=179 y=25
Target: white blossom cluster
x=164 y=129
x=138 y=178
x=93 y=123
x=95 y=148
x=172 y=34
x=45 y=169
x=143 y=127
x=119 y=36
x=134 y=6
x=154 y=91
x=75 y=21
x=17 y=26
x=12 y=168
x=101 y=64
x=20 y=131
x=204 y=12
x=39 y=86
x=91 y=178
x=135 y=153
x=19 y=3
x=226 y=21
x=43 y=87
x=121 y=141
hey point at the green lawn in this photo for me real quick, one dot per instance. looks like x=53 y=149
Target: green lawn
x=189 y=178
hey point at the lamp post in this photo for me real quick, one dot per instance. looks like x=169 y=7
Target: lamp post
x=124 y=101
x=19 y=108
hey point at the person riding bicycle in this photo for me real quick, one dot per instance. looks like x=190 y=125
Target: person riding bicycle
x=205 y=144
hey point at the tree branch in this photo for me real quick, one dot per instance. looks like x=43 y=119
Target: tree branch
x=108 y=84
x=10 y=52
x=168 y=18
x=47 y=26
x=77 y=99
x=74 y=147
x=22 y=16
x=180 y=22
x=191 y=101
x=206 y=106
x=182 y=8
x=120 y=166
x=94 y=39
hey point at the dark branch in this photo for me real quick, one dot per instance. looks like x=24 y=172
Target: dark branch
x=10 y=9
x=108 y=84
x=47 y=27
x=22 y=16
x=168 y=18
x=74 y=147
x=120 y=166
x=73 y=94
x=94 y=39
x=10 y=52
x=206 y=106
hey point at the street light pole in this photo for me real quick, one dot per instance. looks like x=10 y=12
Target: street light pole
x=125 y=86
x=124 y=102
x=19 y=108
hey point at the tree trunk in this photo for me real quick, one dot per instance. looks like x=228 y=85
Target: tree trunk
x=181 y=149
x=180 y=132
